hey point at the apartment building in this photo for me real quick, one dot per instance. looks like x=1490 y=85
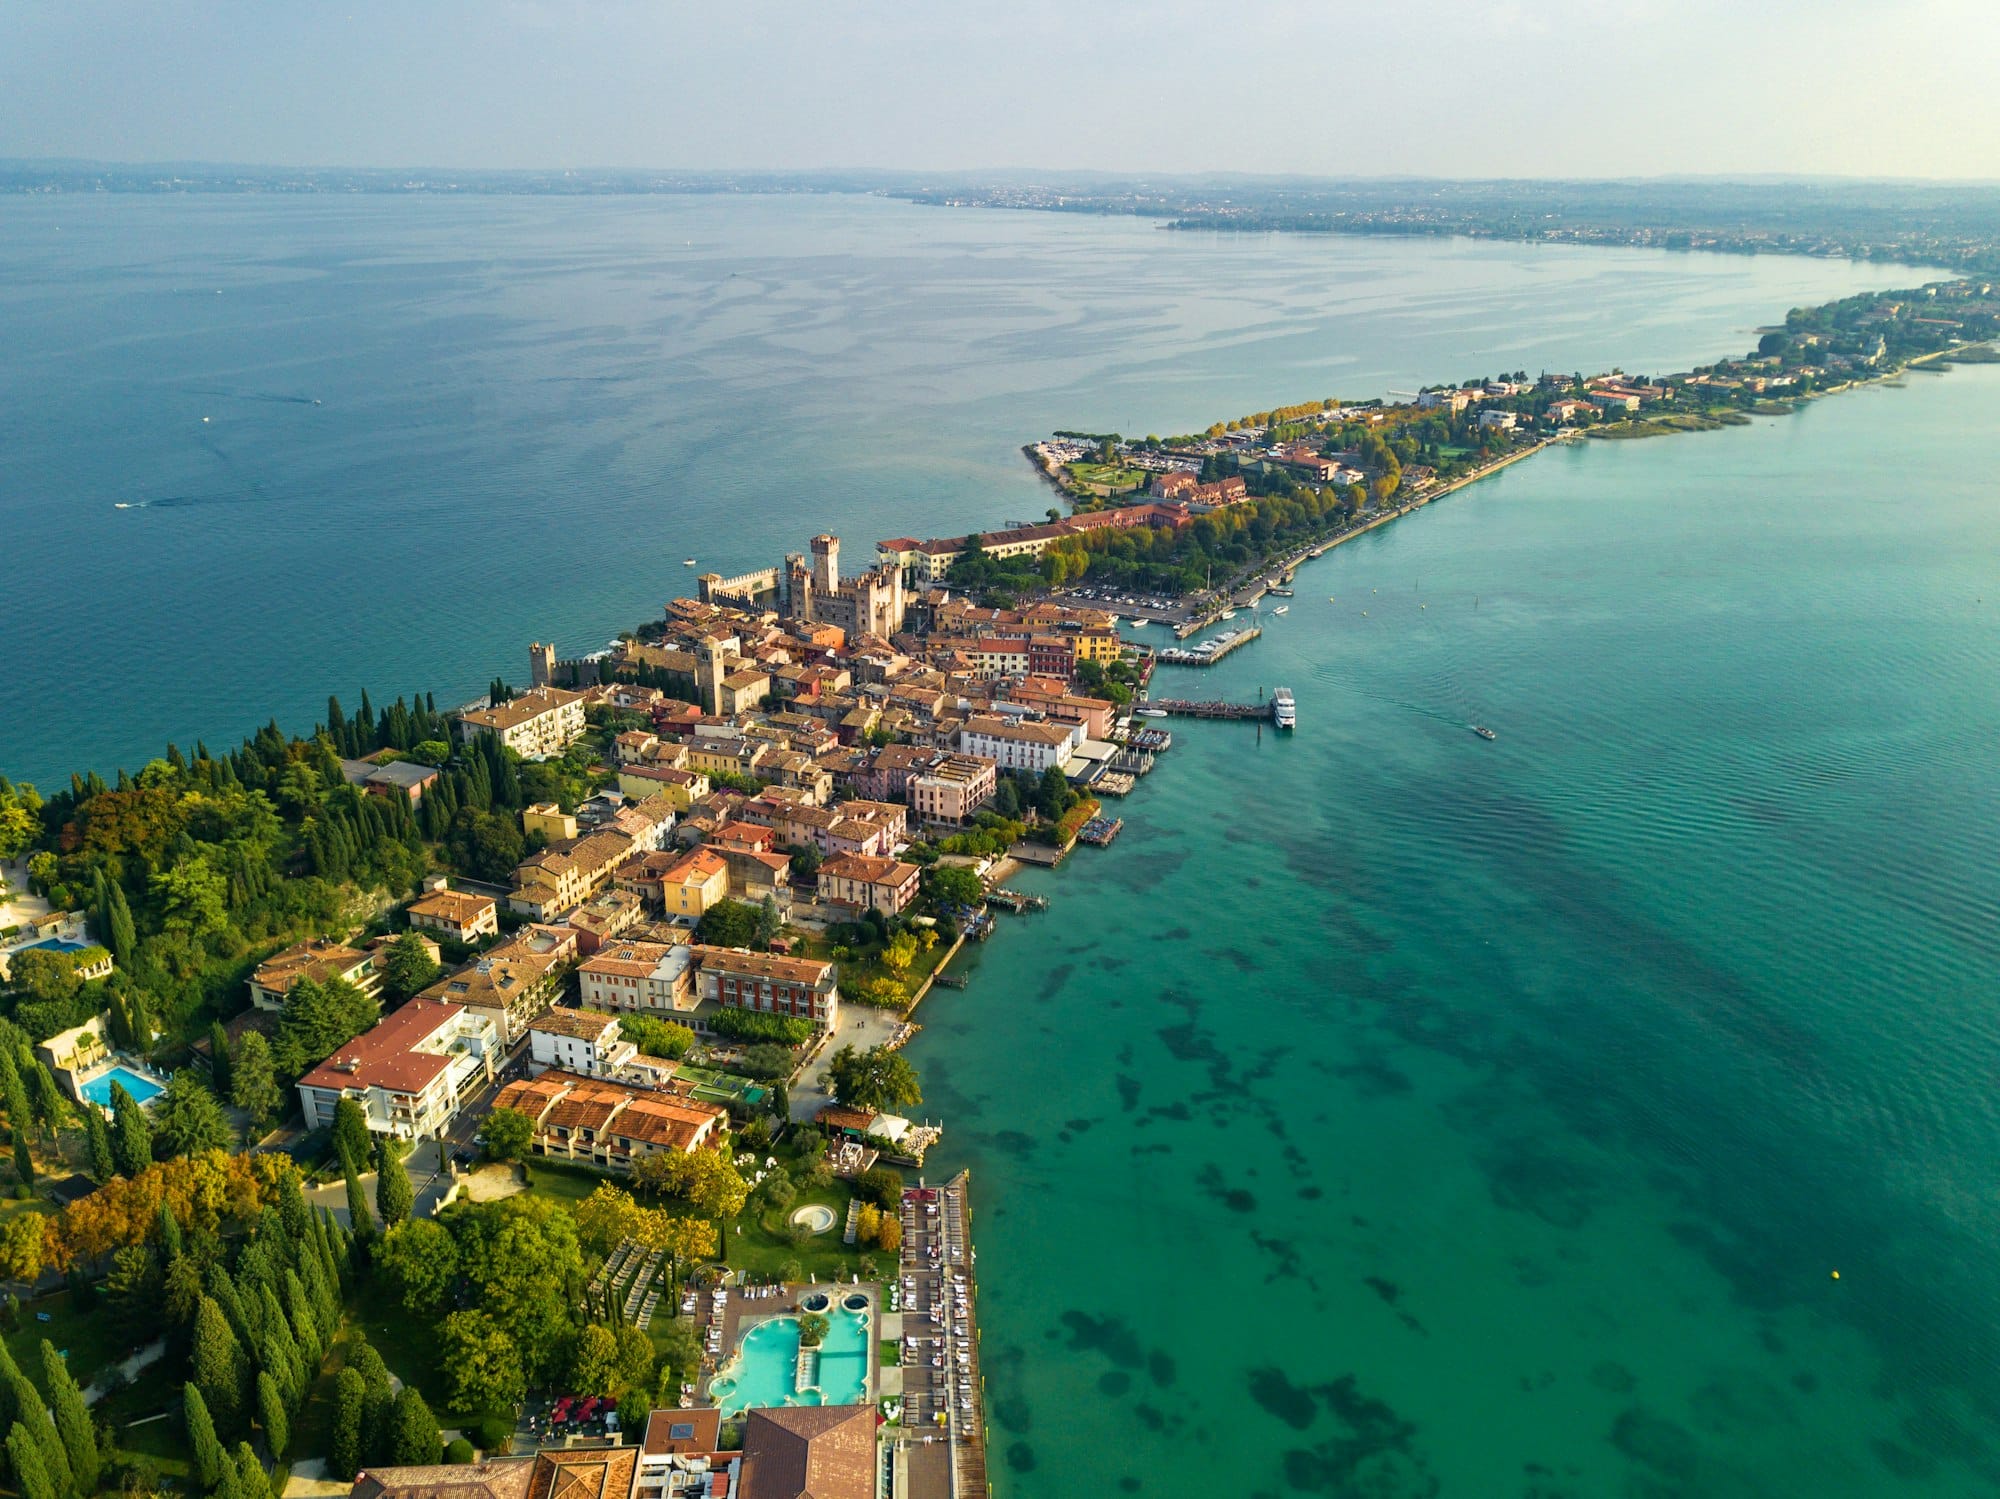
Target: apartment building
x=410 y=1072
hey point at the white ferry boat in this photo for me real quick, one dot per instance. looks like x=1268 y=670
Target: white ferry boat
x=1283 y=713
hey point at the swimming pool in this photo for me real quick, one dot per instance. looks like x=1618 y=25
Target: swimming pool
x=140 y=1086
x=53 y=944
x=761 y=1373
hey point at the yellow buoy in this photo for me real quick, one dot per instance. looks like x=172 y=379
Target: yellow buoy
x=1836 y=1275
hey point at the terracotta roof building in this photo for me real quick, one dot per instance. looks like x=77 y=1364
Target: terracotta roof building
x=609 y=1124
x=739 y=980
x=318 y=960
x=808 y=1452
x=409 y=1072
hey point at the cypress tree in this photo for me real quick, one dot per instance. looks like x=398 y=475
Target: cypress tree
x=24 y=1161
x=305 y=1324
x=217 y=1361
x=221 y=1288
x=79 y=1437
x=97 y=1146
x=271 y=1410
x=252 y=1482
x=42 y=1428
x=30 y=1477
x=203 y=1444
x=44 y=1096
x=394 y=1196
x=10 y=1377
x=325 y=1305
x=14 y=1093
x=170 y=1233
x=349 y=1396
x=357 y=1206
x=218 y=1067
x=131 y=1135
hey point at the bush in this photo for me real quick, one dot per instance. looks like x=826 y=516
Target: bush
x=880 y=1186
x=749 y=1025
x=496 y=1434
x=458 y=1450
x=766 y=1061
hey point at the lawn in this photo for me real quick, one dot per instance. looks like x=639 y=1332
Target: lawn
x=565 y=1182
x=757 y=1248
x=1112 y=476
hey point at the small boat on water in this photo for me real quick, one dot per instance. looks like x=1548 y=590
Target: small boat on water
x=1282 y=609
x=1483 y=732
x=1140 y=624
x=1228 y=614
x=687 y=562
x=1149 y=713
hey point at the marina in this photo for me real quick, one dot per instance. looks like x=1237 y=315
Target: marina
x=1280 y=710
x=1211 y=650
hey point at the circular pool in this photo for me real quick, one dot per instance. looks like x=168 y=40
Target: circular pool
x=814 y=1217
x=856 y=1302
x=814 y=1302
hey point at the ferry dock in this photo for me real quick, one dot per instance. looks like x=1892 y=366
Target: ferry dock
x=1239 y=712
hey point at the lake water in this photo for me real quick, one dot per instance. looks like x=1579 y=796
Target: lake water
x=1393 y=1113
x=529 y=411
x=1387 y=1112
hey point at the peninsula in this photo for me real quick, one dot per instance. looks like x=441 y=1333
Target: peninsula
x=614 y=970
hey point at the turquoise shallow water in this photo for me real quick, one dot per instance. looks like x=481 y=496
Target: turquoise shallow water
x=1389 y=1112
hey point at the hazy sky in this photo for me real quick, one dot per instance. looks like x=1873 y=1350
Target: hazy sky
x=1504 y=88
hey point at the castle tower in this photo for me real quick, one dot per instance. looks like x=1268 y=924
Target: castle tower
x=541 y=664
x=714 y=658
x=798 y=589
x=826 y=565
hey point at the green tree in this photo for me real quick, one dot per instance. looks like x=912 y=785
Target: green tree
x=272 y=1413
x=252 y=1482
x=350 y=1133
x=504 y=1134
x=24 y=1161
x=24 y=1457
x=20 y=818
x=350 y=1395
x=131 y=1135
x=189 y=1119
x=877 y=1078
x=413 y=1430
x=360 y=1220
x=253 y=1083
x=594 y=1360
x=14 y=1093
x=79 y=1437
x=217 y=1361
x=408 y=968
x=204 y=1446
x=953 y=884
x=420 y=1261
x=481 y=1362
x=394 y=1196
x=102 y=1164
x=123 y=936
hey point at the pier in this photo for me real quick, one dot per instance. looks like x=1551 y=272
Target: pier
x=1182 y=708
x=940 y=1449
x=1101 y=830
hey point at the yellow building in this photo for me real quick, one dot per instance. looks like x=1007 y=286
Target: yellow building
x=697 y=882
x=681 y=788
x=549 y=820
x=1101 y=646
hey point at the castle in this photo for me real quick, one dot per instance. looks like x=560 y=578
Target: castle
x=813 y=592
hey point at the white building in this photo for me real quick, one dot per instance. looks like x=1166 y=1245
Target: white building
x=410 y=1072
x=579 y=1041
x=538 y=723
x=1028 y=745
